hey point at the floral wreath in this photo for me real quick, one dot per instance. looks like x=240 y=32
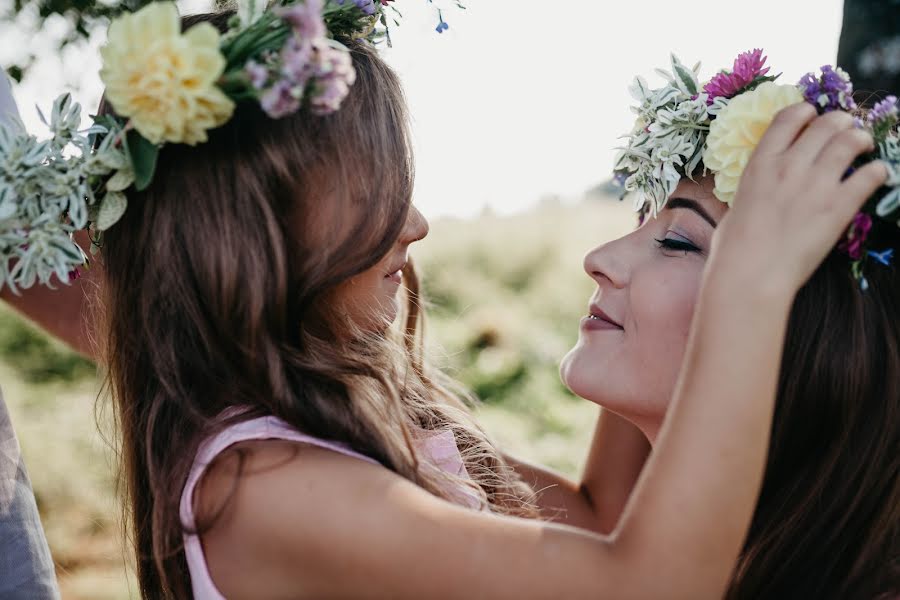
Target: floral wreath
x=686 y=124
x=167 y=87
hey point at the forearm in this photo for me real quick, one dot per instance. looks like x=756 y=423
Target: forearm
x=559 y=498
x=63 y=312
x=694 y=501
x=614 y=462
x=66 y=312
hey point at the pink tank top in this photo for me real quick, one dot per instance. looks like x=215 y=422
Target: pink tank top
x=439 y=448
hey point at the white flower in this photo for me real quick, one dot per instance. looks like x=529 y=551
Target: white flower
x=737 y=130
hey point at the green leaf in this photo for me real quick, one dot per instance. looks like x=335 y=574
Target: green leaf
x=121 y=181
x=112 y=207
x=143 y=154
x=889 y=203
x=686 y=77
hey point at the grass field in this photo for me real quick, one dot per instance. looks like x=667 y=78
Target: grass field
x=506 y=294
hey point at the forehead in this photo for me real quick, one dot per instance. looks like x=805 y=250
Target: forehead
x=701 y=191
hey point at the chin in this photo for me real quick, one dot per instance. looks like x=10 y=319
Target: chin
x=581 y=375
x=592 y=376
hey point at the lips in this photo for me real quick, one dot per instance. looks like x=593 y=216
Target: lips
x=395 y=272
x=599 y=315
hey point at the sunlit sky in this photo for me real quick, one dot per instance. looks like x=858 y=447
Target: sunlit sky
x=524 y=99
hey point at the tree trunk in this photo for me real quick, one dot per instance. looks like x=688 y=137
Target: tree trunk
x=869 y=48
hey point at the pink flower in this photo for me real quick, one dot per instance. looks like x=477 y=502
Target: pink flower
x=727 y=84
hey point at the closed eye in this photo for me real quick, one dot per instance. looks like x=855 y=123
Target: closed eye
x=677 y=245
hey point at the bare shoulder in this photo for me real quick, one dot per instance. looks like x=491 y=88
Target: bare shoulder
x=276 y=511
x=307 y=522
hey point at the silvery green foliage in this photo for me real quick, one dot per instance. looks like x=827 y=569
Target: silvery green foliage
x=889 y=151
x=667 y=141
x=48 y=190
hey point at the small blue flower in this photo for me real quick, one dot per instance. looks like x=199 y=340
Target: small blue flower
x=883 y=257
x=442 y=26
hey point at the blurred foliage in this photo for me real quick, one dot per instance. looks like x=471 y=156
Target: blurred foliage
x=37 y=357
x=81 y=17
x=506 y=297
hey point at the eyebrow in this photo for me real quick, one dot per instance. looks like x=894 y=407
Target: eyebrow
x=691 y=205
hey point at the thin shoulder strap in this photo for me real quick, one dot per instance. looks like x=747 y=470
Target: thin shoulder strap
x=262 y=428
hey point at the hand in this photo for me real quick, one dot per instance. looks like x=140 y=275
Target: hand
x=792 y=203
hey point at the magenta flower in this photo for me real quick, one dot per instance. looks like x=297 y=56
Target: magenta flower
x=727 y=84
x=856 y=236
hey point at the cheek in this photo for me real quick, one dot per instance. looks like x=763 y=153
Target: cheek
x=633 y=373
x=662 y=305
x=369 y=300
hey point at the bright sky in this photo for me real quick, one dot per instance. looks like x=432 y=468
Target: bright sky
x=524 y=99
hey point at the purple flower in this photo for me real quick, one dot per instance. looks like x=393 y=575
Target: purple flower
x=727 y=84
x=257 y=73
x=333 y=72
x=885 y=111
x=832 y=90
x=367 y=6
x=296 y=59
x=281 y=99
x=305 y=18
x=856 y=236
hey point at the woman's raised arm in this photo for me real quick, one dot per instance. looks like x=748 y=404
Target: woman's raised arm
x=63 y=312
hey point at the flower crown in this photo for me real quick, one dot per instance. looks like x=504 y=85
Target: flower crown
x=686 y=124
x=167 y=87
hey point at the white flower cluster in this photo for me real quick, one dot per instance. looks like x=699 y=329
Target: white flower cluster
x=669 y=134
x=51 y=188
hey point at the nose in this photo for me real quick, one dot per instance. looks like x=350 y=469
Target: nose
x=416 y=227
x=608 y=262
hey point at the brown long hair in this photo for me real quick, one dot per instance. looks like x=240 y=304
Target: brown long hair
x=828 y=520
x=217 y=280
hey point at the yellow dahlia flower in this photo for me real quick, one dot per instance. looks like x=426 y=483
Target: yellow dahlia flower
x=163 y=80
x=736 y=131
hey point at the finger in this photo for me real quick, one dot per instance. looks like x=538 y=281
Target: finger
x=810 y=143
x=785 y=128
x=843 y=148
x=857 y=188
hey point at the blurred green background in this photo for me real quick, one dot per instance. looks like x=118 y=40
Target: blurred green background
x=506 y=296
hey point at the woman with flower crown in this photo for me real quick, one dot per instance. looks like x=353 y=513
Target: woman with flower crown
x=279 y=439
x=827 y=524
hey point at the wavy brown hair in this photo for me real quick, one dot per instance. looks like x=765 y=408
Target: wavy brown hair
x=217 y=282
x=828 y=520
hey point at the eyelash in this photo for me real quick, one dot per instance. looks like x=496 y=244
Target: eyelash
x=677 y=245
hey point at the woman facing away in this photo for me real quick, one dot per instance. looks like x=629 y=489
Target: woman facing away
x=280 y=441
x=828 y=520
